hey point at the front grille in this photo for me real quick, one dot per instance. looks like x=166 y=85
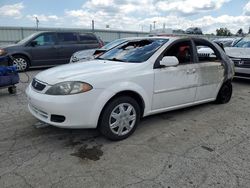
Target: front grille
x=203 y=54
x=37 y=85
x=243 y=63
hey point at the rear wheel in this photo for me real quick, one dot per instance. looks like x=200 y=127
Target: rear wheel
x=21 y=62
x=119 y=118
x=225 y=93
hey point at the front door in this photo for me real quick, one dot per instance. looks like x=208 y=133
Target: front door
x=176 y=86
x=44 y=50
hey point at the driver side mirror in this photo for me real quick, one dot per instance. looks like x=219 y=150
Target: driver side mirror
x=169 y=61
x=33 y=43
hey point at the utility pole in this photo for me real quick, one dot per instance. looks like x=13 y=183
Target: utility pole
x=37 y=22
x=150 y=27
x=93 y=26
x=141 y=26
x=154 y=24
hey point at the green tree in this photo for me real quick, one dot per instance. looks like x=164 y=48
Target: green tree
x=223 y=32
x=240 y=32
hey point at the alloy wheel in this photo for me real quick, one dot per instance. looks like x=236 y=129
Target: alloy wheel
x=20 y=63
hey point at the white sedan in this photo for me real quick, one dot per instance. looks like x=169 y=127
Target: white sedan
x=138 y=78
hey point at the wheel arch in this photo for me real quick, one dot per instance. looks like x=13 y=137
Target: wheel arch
x=133 y=94
x=22 y=54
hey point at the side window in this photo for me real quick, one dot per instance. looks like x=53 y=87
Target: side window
x=182 y=51
x=45 y=39
x=206 y=53
x=87 y=38
x=67 y=38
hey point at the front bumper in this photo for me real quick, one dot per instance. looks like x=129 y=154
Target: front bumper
x=242 y=72
x=77 y=109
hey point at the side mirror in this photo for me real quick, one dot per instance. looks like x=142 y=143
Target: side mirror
x=169 y=61
x=33 y=43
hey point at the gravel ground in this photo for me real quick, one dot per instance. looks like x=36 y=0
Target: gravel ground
x=203 y=146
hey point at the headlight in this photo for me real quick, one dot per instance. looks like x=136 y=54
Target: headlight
x=2 y=52
x=69 y=88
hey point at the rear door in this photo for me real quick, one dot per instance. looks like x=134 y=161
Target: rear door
x=45 y=51
x=68 y=44
x=210 y=71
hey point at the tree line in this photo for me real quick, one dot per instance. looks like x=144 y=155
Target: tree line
x=226 y=32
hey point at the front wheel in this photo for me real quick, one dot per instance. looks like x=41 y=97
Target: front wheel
x=225 y=93
x=21 y=62
x=119 y=118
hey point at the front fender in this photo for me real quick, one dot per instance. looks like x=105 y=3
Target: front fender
x=111 y=91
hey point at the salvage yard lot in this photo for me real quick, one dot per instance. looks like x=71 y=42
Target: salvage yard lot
x=202 y=146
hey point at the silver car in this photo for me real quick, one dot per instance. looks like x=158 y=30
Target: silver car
x=85 y=55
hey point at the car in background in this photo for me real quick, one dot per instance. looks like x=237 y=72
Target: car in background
x=240 y=54
x=48 y=48
x=194 y=31
x=85 y=55
x=138 y=78
x=227 y=42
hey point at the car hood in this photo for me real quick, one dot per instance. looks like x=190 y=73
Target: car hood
x=84 y=53
x=89 y=71
x=6 y=46
x=238 y=52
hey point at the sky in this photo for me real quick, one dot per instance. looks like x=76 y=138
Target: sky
x=134 y=15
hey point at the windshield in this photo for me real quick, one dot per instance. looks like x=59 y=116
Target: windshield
x=113 y=44
x=26 y=39
x=136 y=51
x=243 y=43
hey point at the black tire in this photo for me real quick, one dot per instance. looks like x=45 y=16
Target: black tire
x=21 y=62
x=106 y=118
x=12 y=90
x=225 y=93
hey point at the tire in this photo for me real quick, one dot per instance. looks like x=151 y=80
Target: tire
x=12 y=90
x=225 y=93
x=21 y=62
x=116 y=112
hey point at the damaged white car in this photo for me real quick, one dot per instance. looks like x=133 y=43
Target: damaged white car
x=138 y=78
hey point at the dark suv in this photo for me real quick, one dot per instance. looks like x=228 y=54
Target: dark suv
x=48 y=48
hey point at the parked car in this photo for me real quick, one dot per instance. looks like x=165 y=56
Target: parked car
x=240 y=54
x=85 y=55
x=227 y=42
x=194 y=31
x=138 y=78
x=48 y=48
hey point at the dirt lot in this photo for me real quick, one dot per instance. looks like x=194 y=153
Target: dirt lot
x=203 y=146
